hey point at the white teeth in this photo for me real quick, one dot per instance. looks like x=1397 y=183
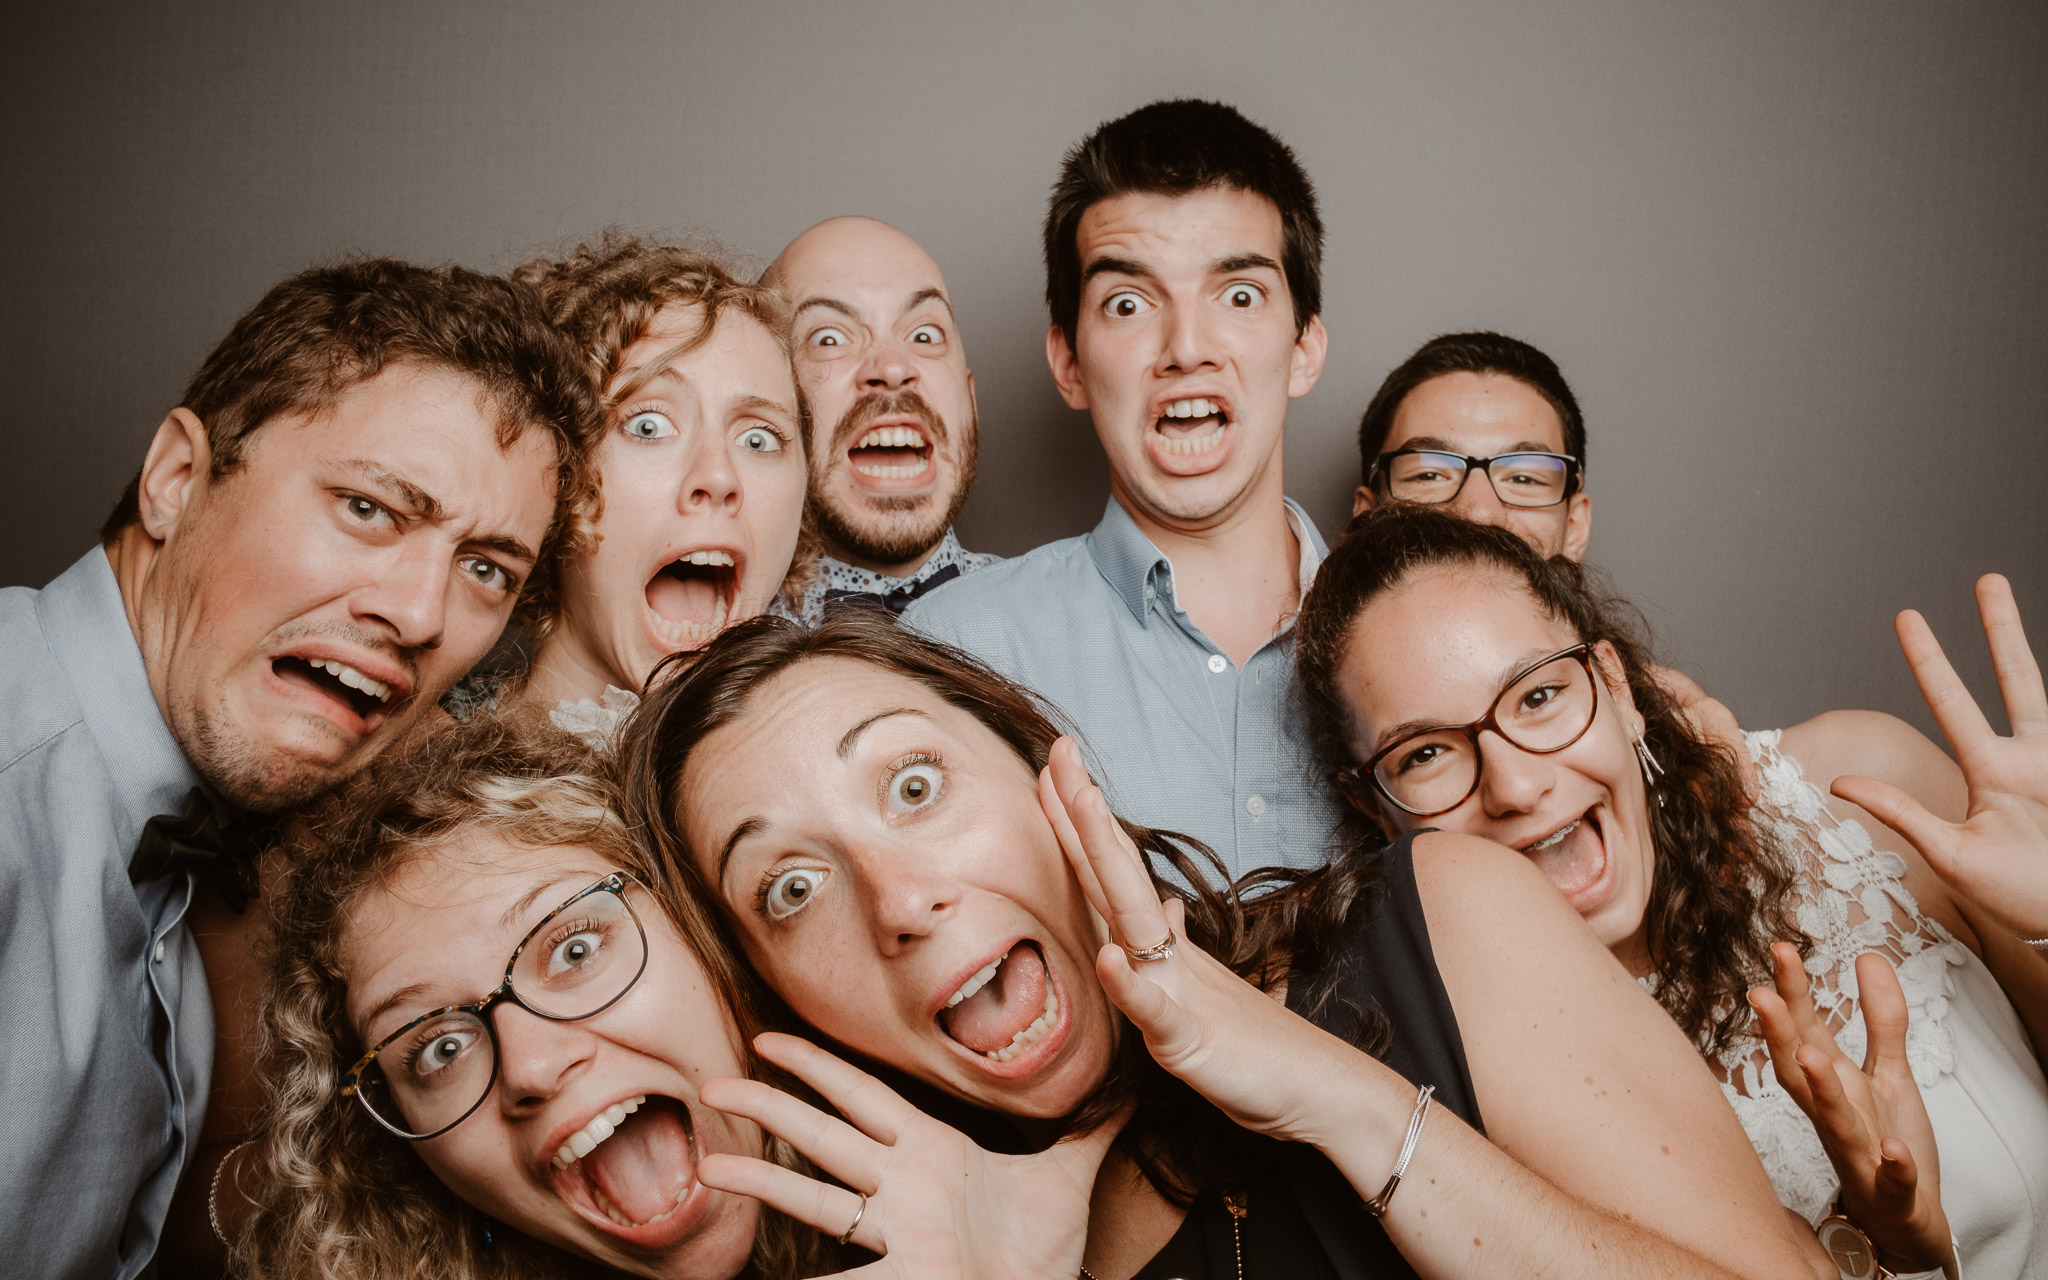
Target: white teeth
x=1199 y=407
x=1189 y=445
x=977 y=982
x=1029 y=1036
x=1555 y=836
x=904 y=472
x=892 y=438
x=710 y=557
x=353 y=678
x=602 y=1125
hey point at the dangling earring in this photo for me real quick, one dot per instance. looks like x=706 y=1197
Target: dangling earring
x=490 y=1241
x=1649 y=762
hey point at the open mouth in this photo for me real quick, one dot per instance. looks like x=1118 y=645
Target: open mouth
x=631 y=1167
x=1192 y=427
x=690 y=598
x=365 y=698
x=1575 y=858
x=1004 y=1008
x=891 y=453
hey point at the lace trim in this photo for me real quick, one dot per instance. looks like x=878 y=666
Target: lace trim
x=1849 y=897
x=596 y=722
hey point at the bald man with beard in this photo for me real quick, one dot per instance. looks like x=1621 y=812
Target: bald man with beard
x=894 y=426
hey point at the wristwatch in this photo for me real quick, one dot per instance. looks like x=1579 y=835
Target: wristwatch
x=1856 y=1258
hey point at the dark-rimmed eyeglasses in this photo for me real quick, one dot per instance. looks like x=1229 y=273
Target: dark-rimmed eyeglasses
x=1546 y=707
x=1524 y=479
x=429 y=1075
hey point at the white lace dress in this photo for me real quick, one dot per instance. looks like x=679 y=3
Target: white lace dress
x=1983 y=1087
x=593 y=720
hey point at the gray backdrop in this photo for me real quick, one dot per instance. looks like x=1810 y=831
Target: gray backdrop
x=1790 y=253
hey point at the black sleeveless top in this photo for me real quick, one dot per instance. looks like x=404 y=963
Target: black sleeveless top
x=1302 y=1219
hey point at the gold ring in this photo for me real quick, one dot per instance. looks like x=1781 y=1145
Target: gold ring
x=1163 y=951
x=858 y=1214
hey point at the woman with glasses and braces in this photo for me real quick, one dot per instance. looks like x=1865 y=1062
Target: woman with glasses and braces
x=1455 y=679
x=486 y=1038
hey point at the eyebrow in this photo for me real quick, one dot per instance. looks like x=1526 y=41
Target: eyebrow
x=1516 y=670
x=751 y=827
x=427 y=507
x=929 y=295
x=403 y=995
x=376 y=473
x=1116 y=266
x=1244 y=262
x=832 y=304
x=846 y=743
x=1440 y=445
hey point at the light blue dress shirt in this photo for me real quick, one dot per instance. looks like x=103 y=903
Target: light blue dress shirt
x=93 y=1128
x=1180 y=737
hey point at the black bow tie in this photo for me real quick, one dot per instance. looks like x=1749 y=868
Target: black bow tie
x=212 y=837
x=894 y=601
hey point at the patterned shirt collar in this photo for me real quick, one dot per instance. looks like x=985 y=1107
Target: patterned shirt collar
x=1133 y=566
x=838 y=575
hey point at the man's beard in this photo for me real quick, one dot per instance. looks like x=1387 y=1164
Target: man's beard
x=891 y=528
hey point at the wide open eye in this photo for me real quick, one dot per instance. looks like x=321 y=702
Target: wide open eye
x=1125 y=303
x=649 y=425
x=828 y=339
x=927 y=335
x=913 y=787
x=488 y=574
x=439 y=1045
x=791 y=891
x=760 y=440
x=1243 y=296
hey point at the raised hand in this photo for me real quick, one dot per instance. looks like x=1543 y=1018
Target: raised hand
x=1998 y=855
x=1871 y=1121
x=1264 y=1066
x=936 y=1205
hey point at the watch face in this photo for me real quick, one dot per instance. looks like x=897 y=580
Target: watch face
x=1849 y=1247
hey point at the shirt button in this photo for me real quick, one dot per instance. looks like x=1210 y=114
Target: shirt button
x=1255 y=805
x=1151 y=592
x=1218 y=663
x=158 y=957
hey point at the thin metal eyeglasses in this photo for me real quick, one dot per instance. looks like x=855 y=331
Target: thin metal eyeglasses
x=436 y=1077
x=1546 y=707
x=1525 y=478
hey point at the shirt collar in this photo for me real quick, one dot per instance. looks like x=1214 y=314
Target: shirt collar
x=852 y=577
x=1128 y=560
x=86 y=626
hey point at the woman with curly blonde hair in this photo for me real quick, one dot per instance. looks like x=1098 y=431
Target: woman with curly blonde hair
x=701 y=468
x=465 y=1083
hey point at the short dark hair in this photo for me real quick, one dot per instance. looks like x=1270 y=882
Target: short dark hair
x=1470 y=353
x=323 y=331
x=1173 y=148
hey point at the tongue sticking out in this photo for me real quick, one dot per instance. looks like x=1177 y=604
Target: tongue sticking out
x=645 y=1167
x=1574 y=863
x=1005 y=1005
x=686 y=593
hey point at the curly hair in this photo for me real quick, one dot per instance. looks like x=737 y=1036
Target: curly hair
x=337 y=1197
x=1721 y=893
x=1182 y=1142
x=605 y=296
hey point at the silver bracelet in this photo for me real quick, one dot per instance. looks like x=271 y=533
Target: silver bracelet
x=2035 y=942
x=1377 y=1206
x=213 y=1191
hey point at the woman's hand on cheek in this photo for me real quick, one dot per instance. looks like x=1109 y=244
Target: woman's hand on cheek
x=1267 y=1068
x=936 y=1204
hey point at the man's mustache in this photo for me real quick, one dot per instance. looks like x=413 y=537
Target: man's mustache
x=887 y=404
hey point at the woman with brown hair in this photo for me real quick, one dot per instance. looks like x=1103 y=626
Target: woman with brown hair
x=486 y=1038
x=1420 y=621
x=917 y=864
x=701 y=470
